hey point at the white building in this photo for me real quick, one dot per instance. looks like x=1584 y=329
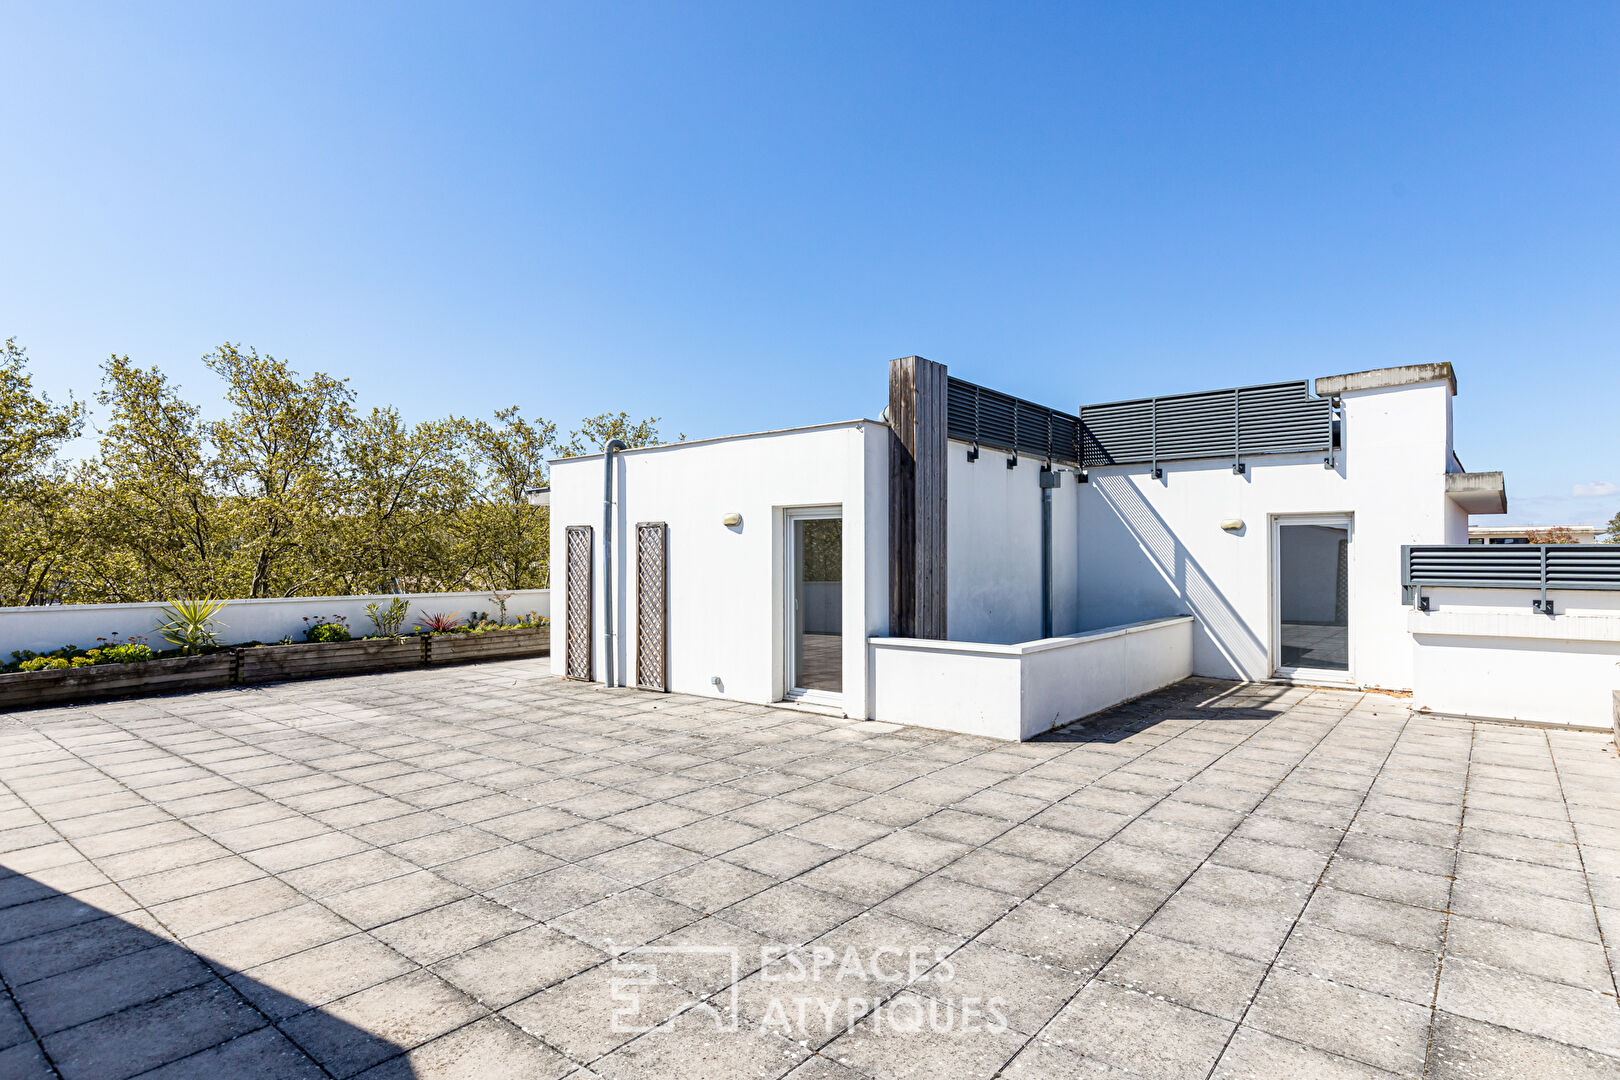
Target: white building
x=988 y=565
x=1532 y=534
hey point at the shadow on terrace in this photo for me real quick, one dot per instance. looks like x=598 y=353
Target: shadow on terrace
x=93 y=996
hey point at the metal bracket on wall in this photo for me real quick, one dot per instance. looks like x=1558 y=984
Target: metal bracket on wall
x=973 y=452
x=1546 y=607
x=1157 y=473
x=1012 y=462
x=1082 y=477
x=1423 y=603
x=1239 y=468
x=1050 y=477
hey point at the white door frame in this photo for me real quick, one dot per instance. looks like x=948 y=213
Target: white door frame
x=1313 y=676
x=790 y=599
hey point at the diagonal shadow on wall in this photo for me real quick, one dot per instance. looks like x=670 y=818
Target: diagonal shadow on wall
x=1185 y=585
x=88 y=995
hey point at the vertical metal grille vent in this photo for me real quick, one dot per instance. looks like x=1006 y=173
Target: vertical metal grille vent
x=985 y=417
x=652 y=606
x=1281 y=418
x=580 y=610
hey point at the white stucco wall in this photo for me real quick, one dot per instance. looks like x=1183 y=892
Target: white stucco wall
x=1019 y=691
x=43 y=629
x=1485 y=653
x=726 y=584
x=993 y=536
x=1155 y=547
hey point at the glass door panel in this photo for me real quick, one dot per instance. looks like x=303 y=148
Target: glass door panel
x=816 y=603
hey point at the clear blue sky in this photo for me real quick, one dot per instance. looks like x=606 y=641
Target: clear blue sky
x=732 y=216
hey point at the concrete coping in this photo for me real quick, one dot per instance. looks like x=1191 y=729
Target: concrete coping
x=1478 y=492
x=1025 y=648
x=1384 y=378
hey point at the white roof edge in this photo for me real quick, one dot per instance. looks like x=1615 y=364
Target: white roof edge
x=1385 y=378
x=725 y=438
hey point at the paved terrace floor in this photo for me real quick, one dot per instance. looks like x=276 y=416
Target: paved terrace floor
x=429 y=874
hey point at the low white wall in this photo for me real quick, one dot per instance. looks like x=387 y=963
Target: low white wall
x=1483 y=653
x=42 y=629
x=1017 y=692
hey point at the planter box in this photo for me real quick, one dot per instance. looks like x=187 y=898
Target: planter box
x=489 y=645
x=32 y=689
x=314 y=660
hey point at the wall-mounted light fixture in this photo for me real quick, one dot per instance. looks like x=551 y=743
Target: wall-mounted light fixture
x=1232 y=524
x=731 y=521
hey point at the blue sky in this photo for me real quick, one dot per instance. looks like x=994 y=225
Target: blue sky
x=732 y=215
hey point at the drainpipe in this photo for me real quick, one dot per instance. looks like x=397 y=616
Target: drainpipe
x=1050 y=478
x=613 y=446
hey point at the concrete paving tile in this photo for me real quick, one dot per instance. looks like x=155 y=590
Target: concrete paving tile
x=203 y=912
x=1381 y=920
x=152 y=1034
x=266 y=1054
x=1152 y=1038
x=1026 y=993
x=1255 y=1055
x=269 y=937
x=346 y=872
x=554 y=892
x=508 y=968
x=639 y=862
x=1103 y=897
x=356 y=1032
x=713 y=836
x=1386 y=882
x=1212 y=982
x=444 y=931
x=314 y=977
x=394 y=898
x=948 y=904
x=859 y=879
x=1585 y=1018
x=711 y=885
x=1079 y=943
x=1369 y=1028
x=916 y=849
x=626 y=919
x=1256 y=935
x=781 y=856
x=1531 y=911
x=915 y=1037
x=1053 y=846
x=1529 y=952
x=790 y=913
x=86 y=993
x=487 y=1049
x=1375 y=966
x=690 y=1046
x=584 y=1018
x=500 y=866
x=1467 y=1049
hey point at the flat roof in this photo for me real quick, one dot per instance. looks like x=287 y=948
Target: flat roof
x=724 y=438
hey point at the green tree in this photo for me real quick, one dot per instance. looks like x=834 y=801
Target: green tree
x=405 y=484
x=161 y=528
x=594 y=432
x=505 y=539
x=277 y=456
x=1614 y=530
x=41 y=532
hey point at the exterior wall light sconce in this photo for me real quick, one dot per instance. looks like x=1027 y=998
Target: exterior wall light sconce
x=1232 y=524
x=732 y=521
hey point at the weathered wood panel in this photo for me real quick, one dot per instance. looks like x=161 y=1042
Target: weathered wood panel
x=918 y=396
x=273 y=663
x=489 y=645
x=30 y=689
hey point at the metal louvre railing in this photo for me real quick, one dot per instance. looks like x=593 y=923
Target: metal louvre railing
x=1246 y=421
x=985 y=417
x=1538 y=567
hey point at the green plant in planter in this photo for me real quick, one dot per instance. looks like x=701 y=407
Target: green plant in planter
x=440 y=622
x=388 y=620
x=190 y=625
x=500 y=599
x=334 y=629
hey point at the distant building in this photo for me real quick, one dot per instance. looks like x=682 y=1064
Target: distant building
x=1522 y=534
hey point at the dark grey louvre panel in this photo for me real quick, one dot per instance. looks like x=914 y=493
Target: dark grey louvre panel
x=1582 y=566
x=1281 y=418
x=1514 y=566
x=989 y=418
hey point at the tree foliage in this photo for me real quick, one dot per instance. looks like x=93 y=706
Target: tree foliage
x=292 y=491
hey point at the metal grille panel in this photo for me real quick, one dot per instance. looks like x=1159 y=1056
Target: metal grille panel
x=580 y=611
x=986 y=417
x=1280 y=418
x=1513 y=566
x=652 y=606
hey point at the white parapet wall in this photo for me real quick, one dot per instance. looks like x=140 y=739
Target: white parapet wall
x=43 y=629
x=1017 y=692
x=1483 y=653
